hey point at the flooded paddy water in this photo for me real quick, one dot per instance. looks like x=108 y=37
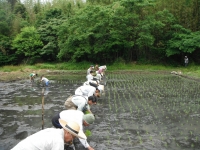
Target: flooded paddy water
x=138 y=111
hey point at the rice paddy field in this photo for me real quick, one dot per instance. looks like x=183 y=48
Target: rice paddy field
x=138 y=110
x=151 y=110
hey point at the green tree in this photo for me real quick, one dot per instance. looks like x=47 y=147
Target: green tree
x=28 y=44
x=153 y=32
x=20 y=9
x=76 y=36
x=48 y=29
x=6 y=17
x=6 y=54
x=183 y=41
x=48 y=32
x=187 y=12
x=98 y=33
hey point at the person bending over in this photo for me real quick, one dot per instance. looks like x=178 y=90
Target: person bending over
x=76 y=116
x=44 y=80
x=51 y=138
x=81 y=103
x=32 y=76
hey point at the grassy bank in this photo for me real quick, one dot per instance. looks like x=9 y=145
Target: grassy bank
x=22 y=71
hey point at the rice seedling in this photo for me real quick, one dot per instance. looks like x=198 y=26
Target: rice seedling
x=140 y=139
x=108 y=139
x=150 y=138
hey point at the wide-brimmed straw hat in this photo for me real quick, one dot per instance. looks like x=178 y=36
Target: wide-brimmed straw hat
x=73 y=128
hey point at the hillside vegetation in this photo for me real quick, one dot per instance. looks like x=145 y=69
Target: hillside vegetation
x=100 y=31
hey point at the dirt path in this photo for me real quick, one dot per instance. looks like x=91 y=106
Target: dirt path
x=24 y=74
x=18 y=75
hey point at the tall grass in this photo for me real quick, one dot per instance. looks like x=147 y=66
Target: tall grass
x=11 y=68
x=64 y=66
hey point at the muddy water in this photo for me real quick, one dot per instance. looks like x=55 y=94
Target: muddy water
x=142 y=111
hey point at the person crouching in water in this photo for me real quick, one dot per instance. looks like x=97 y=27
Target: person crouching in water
x=44 y=80
x=32 y=76
x=82 y=103
x=89 y=90
x=52 y=138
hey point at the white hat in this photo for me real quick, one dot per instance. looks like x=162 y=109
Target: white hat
x=101 y=88
x=73 y=128
x=89 y=118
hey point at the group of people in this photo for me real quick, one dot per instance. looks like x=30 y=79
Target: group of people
x=97 y=71
x=43 y=79
x=68 y=124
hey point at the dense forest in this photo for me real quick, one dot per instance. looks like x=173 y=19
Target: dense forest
x=100 y=31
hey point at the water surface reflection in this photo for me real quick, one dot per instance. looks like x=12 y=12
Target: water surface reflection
x=27 y=108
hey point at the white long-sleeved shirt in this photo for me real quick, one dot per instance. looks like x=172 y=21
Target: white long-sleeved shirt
x=47 y=139
x=44 y=79
x=98 y=77
x=80 y=102
x=88 y=71
x=86 y=90
x=76 y=116
x=90 y=81
x=89 y=77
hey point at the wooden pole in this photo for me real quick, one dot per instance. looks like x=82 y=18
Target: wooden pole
x=42 y=108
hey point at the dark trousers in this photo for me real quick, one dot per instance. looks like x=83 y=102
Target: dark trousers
x=55 y=121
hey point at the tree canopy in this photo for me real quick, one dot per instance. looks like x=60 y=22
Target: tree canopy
x=103 y=31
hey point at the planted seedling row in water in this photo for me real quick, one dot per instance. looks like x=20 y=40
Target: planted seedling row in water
x=162 y=102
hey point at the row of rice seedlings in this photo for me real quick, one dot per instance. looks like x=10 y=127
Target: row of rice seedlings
x=120 y=102
x=108 y=99
x=183 y=108
x=112 y=86
x=169 y=107
x=108 y=138
x=132 y=102
x=130 y=108
x=119 y=137
x=146 y=105
x=124 y=98
x=115 y=102
x=126 y=87
x=109 y=92
x=129 y=135
x=151 y=105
